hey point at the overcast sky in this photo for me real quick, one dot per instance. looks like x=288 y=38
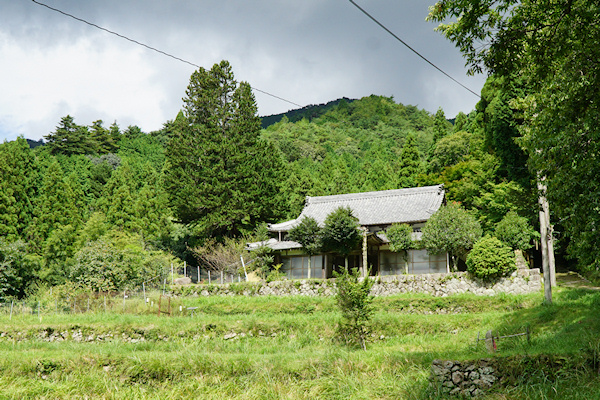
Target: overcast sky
x=307 y=51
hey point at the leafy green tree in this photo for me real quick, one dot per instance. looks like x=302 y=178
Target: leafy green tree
x=496 y=200
x=501 y=124
x=410 y=163
x=308 y=234
x=460 y=122
x=400 y=237
x=220 y=175
x=441 y=126
x=104 y=141
x=18 y=268
x=453 y=230
x=19 y=184
x=490 y=259
x=58 y=251
x=340 y=233
x=552 y=46
x=354 y=300
x=56 y=205
x=515 y=232
x=118 y=260
x=450 y=150
x=70 y=138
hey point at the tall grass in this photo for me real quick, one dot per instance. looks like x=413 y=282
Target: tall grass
x=283 y=347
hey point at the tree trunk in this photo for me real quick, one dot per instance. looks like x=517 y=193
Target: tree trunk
x=309 y=257
x=544 y=240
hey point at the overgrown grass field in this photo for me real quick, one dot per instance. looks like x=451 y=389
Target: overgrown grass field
x=285 y=347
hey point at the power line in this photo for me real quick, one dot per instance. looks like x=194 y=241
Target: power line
x=148 y=47
x=409 y=47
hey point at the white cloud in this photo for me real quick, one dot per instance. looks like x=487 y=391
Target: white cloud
x=79 y=79
x=308 y=52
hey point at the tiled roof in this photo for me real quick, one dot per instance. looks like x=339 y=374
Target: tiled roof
x=274 y=244
x=374 y=208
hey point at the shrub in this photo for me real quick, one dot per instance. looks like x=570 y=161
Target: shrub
x=117 y=260
x=490 y=259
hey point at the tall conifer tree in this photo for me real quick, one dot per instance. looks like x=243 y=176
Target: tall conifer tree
x=220 y=175
x=18 y=187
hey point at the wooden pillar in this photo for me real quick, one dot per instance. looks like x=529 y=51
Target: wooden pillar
x=544 y=243
x=365 y=261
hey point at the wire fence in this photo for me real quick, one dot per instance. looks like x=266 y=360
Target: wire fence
x=155 y=295
x=205 y=276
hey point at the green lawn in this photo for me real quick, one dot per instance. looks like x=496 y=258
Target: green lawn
x=284 y=347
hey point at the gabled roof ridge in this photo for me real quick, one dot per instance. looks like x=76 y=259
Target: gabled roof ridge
x=372 y=194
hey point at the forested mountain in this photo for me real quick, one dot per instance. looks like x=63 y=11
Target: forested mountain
x=96 y=199
x=308 y=112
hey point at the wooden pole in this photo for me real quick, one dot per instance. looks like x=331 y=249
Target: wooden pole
x=184 y=269
x=544 y=243
x=244 y=266
x=198 y=272
x=550 y=239
x=365 y=265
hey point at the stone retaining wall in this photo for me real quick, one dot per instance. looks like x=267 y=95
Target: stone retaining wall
x=464 y=378
x=521 y=281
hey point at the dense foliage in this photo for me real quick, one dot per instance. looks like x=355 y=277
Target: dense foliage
x=220 y=175
x=490 y=259
x=549 y=49
x=451 y=230
x=340 y=232
x=206 y=176
x=308 y=234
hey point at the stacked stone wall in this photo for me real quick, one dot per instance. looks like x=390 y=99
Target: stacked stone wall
x=522 y=281
x=464 y=378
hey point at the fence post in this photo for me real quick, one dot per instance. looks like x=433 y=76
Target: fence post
x=198 y=272
x=12 y=302
x=184 y=269
x=209 y=276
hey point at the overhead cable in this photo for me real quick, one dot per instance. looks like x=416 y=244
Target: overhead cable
x=148 y=47
x=409 y=47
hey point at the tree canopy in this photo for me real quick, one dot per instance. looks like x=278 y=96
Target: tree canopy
x=221 y=176
x=552 y=47
x=453 y=230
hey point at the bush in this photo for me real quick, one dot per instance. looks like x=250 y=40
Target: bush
x=490 y=259
x=118 y=260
